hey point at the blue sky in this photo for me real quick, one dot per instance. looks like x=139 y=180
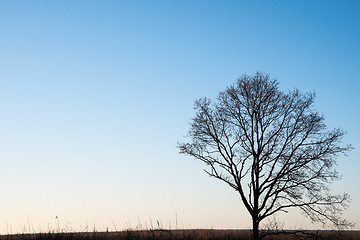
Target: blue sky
x=95 y=95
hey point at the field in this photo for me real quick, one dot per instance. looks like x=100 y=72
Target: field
x=185 y=235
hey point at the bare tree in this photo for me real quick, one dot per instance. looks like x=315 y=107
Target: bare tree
x=272 y=147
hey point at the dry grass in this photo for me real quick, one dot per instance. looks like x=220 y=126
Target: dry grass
x=184 y=235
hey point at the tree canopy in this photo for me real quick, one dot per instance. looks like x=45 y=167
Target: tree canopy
x=272 y=147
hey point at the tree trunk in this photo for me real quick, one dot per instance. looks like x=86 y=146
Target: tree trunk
x=255 y=229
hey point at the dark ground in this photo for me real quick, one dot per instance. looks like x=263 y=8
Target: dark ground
x=186 y=235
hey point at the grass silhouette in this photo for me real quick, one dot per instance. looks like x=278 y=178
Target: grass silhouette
x=161 y=234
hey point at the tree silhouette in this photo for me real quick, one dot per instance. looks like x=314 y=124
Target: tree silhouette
x=272 y=147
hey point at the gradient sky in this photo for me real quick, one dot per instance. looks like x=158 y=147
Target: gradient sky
x=95 y=95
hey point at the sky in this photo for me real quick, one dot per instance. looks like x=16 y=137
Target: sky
x=95 y=96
